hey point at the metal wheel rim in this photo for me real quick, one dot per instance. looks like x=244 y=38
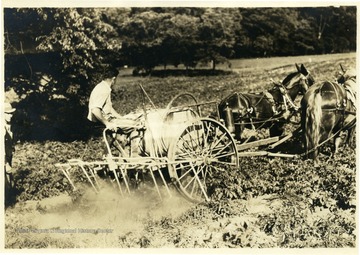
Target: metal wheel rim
x=203 y=147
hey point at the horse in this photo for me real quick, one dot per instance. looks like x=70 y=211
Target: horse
x=327 y=111
x=269 y=109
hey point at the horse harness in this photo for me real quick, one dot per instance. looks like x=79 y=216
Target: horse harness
x=342 y=103
x=277 y=107
x=341 y=106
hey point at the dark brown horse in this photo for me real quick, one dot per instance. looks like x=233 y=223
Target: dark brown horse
x=328 y=110
x=268 y=109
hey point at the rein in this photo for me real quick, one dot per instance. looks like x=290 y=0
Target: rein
x=259 y=122
x=263 y=121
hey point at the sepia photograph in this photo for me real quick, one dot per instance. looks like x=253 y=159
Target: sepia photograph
x=216 y=128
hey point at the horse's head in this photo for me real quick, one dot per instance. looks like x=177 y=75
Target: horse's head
x=298 y=82
x=309 y=78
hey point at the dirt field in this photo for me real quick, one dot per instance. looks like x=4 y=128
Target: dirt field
x=283 y=203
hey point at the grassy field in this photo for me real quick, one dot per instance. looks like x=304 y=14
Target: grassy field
x=248 y=75
x=279 y=203
x=278 y=62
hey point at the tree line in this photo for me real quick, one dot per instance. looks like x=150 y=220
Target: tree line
x=61 y=52
x=81 y=40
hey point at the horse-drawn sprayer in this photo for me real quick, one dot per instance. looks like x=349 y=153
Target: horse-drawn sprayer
x=178 y=147
x=181 y=148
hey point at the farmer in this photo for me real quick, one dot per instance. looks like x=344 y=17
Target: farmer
x=101 y=110
x=9 y=149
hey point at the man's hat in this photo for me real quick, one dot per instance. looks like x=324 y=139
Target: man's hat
x=9 y=108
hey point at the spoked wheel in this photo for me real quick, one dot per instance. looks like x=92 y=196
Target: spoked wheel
x=204 y=147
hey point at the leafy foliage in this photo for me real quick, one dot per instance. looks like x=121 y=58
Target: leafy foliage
x=328 y=186
x=79 y=40
x=169 y=36
x=37 y=177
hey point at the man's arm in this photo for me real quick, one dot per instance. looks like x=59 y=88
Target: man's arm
x=98 y=114
x=115 y=113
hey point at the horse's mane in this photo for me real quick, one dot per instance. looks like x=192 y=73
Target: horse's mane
x=289 y=77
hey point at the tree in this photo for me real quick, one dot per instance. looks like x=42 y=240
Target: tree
x=328 y=24
x=216 y=32
x=142 y=38
x=179 y=35
x=268 y=29
x=79 y=38
x=53 y=56
x=179 y=44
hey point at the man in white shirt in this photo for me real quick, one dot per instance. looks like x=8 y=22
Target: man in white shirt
x=101 y=110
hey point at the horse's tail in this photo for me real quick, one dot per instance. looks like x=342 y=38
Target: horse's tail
x=313 y=116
